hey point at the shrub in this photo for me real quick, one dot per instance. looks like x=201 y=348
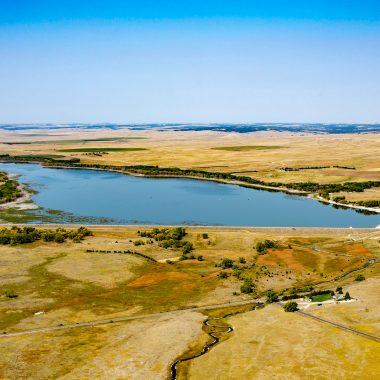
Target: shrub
x=205 y=236
x=247 y=286
x=9 y=293
x=291 y=307
x=223 y=274
x=200 y=258
x=138 y=242
x=359 y=277
x=242 y=260
x=227 y=263
x=187 y=248
x=272 y=296
x=263 y=246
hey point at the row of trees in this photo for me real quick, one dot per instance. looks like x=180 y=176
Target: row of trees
x=17 y=235
x=129 y=252
x=366 y=203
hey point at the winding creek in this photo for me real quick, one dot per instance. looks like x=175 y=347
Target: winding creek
x=101 y=197
x=207 y=347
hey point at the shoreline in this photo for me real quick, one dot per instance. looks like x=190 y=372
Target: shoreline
x=310 y=195
x=267 y=229
x=24 y=202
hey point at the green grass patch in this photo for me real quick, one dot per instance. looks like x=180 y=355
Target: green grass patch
x=244 y=148
x=321 y=297
x=102 y=150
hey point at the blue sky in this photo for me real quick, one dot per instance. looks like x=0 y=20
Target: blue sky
x=189 y=61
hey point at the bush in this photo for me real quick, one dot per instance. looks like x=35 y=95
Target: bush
x=272 y=296
x=187 y=248
x=223 y=274
x=9 y=293
x=227 y=263
x=247 y=286
x=263 y=246
x=200 y=258
x=138 y=242
x=291 y=307
x=205 y=236
x=359 y=277
x=242 y=260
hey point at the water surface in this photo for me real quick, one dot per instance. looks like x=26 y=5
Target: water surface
x=114 y=198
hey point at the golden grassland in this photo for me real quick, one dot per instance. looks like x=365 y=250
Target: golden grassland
x=129 y=350
x=70 y=285
x=259 y=155
x=272 y=344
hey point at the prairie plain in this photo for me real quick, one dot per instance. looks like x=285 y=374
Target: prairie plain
x=56 y=287
x=323 y=158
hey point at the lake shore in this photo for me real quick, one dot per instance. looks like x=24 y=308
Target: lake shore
x=24 y=202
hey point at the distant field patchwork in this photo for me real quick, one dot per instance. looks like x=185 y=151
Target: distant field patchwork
x=101 y=150
x=243 y=148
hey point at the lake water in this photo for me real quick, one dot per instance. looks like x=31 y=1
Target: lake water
x=89 y=196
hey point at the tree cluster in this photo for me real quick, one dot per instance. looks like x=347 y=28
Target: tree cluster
x=291 y=307
x=9 y=189
x=263 y=246
x=17 y=235
x=169 y=238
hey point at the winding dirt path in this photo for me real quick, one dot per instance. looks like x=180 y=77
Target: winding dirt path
x=122 y=319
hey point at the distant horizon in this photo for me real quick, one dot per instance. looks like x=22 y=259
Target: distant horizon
x=289 y=123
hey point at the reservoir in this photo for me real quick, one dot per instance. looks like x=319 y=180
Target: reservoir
x=101 y=197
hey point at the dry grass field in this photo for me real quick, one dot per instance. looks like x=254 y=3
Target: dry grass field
x=64 y=284
x=272 y=344
x=260 y=155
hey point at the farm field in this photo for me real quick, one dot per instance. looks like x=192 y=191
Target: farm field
x=47 y=284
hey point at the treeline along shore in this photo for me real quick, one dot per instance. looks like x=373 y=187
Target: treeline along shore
x=323 y=191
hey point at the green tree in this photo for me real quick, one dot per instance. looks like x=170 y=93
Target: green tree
x=291 y=307
x=227 y=263
x=272 y=296
x=247 y=286
x=347 y=296
x=359 y=277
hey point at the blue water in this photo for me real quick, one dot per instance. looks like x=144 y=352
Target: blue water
x=106 y=197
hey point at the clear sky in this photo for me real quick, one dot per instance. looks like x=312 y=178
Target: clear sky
x=189 y=61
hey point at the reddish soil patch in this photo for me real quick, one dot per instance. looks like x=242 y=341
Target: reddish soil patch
x=356 y=249
x=186 y=287
x=155 y=278
x=284 y=257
